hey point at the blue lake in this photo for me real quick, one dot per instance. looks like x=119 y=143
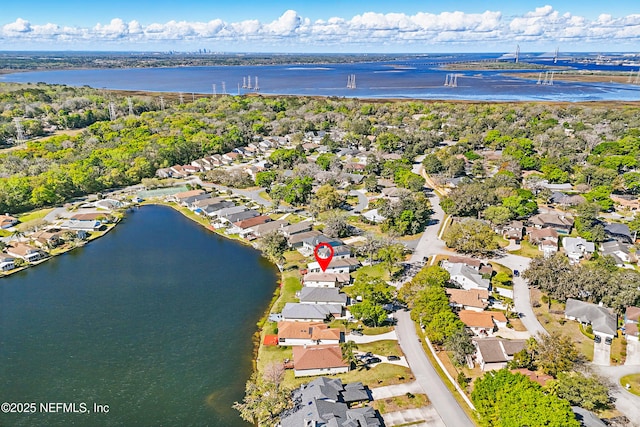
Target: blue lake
x=416 y=77
x=155 y=319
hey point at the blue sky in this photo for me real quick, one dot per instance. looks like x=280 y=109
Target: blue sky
x=320 y=26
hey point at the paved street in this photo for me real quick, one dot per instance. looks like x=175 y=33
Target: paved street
x=441 y=398
x=363 y=201
x=428 y=415
x=627 y=403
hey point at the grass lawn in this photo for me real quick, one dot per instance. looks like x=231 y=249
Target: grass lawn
x=383 y=374
x=501 y=241
x=290 y=286
x=30 y=216
x=633 y=381
x=383 y=348
x=400 y=403
x=374 y=271
x=527 y=249
x=499 y=268
x=264 y=195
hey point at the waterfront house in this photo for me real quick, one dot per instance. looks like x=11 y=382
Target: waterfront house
x=603 y=320
x=7 y=221
x=341 y=265
x=46 y=239
x=327 y=402
x=495 y=353
x=223 y=212
x=297 y=228
x=473 y=299
x=296 y=241
x=243 y=227
x=211 y=209
x=7 y=263
x=231 y=218
x=298 y=312
x=577 y=248
x=262 y=229
x=24 y=252
x=313 y=295
x=307 y=333
x=186 y=198
x=198 y=204
x=85 y=225
x=318 y=360
x=326 y=280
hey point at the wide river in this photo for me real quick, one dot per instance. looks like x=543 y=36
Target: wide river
x=154 y=320
x=419 y=78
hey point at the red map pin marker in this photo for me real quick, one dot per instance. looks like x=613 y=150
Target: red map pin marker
x=324 y=261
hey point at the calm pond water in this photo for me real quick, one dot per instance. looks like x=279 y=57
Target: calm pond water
x=155 y=320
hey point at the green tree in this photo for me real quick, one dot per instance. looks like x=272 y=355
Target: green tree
x=460 y=344
x=274 y=245
x=327 y=198
x=266 y=178
x=442 y=326
x=432 y=164
x=503 y=399
x=390 y=256
x=556 y=353
x=336 y=225
x=498 y=215
x=470 y=236
x=372 y=289
x=263 y=401
x=587 y=392
x=369 y=312
x=348 y=352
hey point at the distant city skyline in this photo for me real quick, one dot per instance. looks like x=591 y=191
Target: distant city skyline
x=321 y=27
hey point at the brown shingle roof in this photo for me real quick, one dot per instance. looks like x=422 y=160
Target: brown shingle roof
x=307 y=330
x=256 y=220
x=631 y=329
x=533 y=376
x=318 y=357
x=632 y=314
x=91 y=216
x=190 y=193
x=472 y=298
x=472 y=262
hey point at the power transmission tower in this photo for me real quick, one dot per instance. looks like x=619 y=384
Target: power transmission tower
x=130 y=102
x=162 y=103
x=112 y=111
x=20 y=138
x=224 y=88
x=181 y=98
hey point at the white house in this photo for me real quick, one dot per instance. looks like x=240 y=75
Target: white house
x=344 y=265
x=577 y=247
x=7 y=263
x=306 y=333
x=466 y=277
x=326 y=280
x=25 y=252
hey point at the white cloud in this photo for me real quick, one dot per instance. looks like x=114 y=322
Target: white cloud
x=541 y=26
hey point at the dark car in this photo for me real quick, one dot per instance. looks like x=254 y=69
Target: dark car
x=393 y=357
x=608 y=340
x=597 y=338
x=516 y=273
x=373 y=360
x=368 y=354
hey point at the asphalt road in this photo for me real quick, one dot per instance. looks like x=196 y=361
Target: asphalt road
x=441 y=398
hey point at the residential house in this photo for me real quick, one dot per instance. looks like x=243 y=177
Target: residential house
x=185 y=198
x=466 y=277
x=494 y=353
x=296 y=241
x=7 y=263
x=311 y=242
x=212 y=209
x=224 y=212
x=548 y=248
x=231 y=218
x=393 y=192
x=327 y=402
x=243 y=227
x=297 y=228
x=326 y=280
x=7 y=221
x=512 y=231
x=562 y=199
x=483 y=323
x=617 y=250
x=46 y=239
x=577 y=248
x=545 y=238
x=626 y=201
x=202 y=164
x=25 y=252
x=474 y=299
x=341 y=265
x=631 y=321
x=473 y=263
x=177 y=171
x=164 y=173
x=374 y=216
x=314 y=295
x=199 y=204
x=230 y=157
x=298 y=312
x=558 y=221
x=619 y=232
x=268 y=227
x=81 y=224
x=191 y=169
x=307 y=333
x=603 y=320
x=318 y=360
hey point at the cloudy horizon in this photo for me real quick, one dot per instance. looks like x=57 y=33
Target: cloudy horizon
x=538 y=29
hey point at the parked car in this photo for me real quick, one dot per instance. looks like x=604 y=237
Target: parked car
x=393 y=357
x=373 y=360
x=368 y=354
x=597 y=339
x=516 y=273
x=608 y=340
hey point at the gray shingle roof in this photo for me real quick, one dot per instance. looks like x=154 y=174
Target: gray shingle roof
x=602 y=319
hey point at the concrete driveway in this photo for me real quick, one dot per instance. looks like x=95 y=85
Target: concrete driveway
x=633 y=352
x=601 y=353
x=362 y=339
x=426 y=416
x=396 y=390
